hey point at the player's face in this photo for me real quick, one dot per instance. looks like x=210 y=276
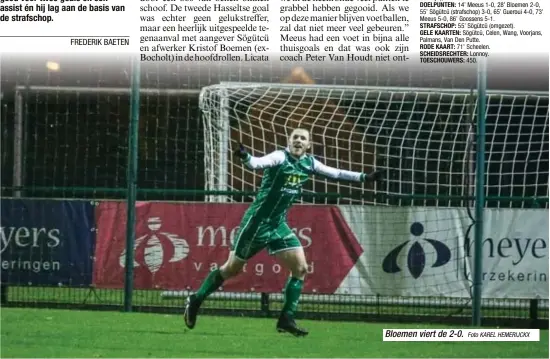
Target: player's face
x=299 y=142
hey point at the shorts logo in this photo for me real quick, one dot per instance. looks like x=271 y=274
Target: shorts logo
x=416 y=258
x=157 y=244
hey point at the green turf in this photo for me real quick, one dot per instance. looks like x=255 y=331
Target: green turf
x=76 y=334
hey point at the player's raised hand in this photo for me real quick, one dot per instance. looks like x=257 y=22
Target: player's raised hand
x=376 y=175
x=241 y=152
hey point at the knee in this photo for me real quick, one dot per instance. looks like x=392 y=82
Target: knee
x=300 y=270
x=231 y=268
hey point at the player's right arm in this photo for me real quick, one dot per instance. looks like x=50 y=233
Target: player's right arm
x=272 y=159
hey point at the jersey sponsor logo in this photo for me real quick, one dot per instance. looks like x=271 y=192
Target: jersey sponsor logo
x=416 y=256
x=293 y=180
x=293 y=184
x=155 y=245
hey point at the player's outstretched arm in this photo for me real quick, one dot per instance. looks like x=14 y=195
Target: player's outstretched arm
x=272 y=159
x=344 y=175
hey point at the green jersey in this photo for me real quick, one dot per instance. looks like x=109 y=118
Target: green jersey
x=283 y=178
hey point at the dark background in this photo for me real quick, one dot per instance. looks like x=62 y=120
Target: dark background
x=80 y=140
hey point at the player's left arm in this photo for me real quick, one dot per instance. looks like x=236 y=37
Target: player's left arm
x=345 y=175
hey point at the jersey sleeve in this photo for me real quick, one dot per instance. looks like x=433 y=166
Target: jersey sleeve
x=335 y=173
x=272 y=159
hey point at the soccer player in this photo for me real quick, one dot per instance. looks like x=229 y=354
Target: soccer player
x=264 y=224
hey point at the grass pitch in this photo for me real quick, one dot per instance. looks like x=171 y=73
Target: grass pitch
x=42 y=333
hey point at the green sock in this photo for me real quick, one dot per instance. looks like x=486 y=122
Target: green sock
x=293 y=289
x=212 y=282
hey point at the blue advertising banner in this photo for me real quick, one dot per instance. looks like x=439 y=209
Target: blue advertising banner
x=47 y=242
